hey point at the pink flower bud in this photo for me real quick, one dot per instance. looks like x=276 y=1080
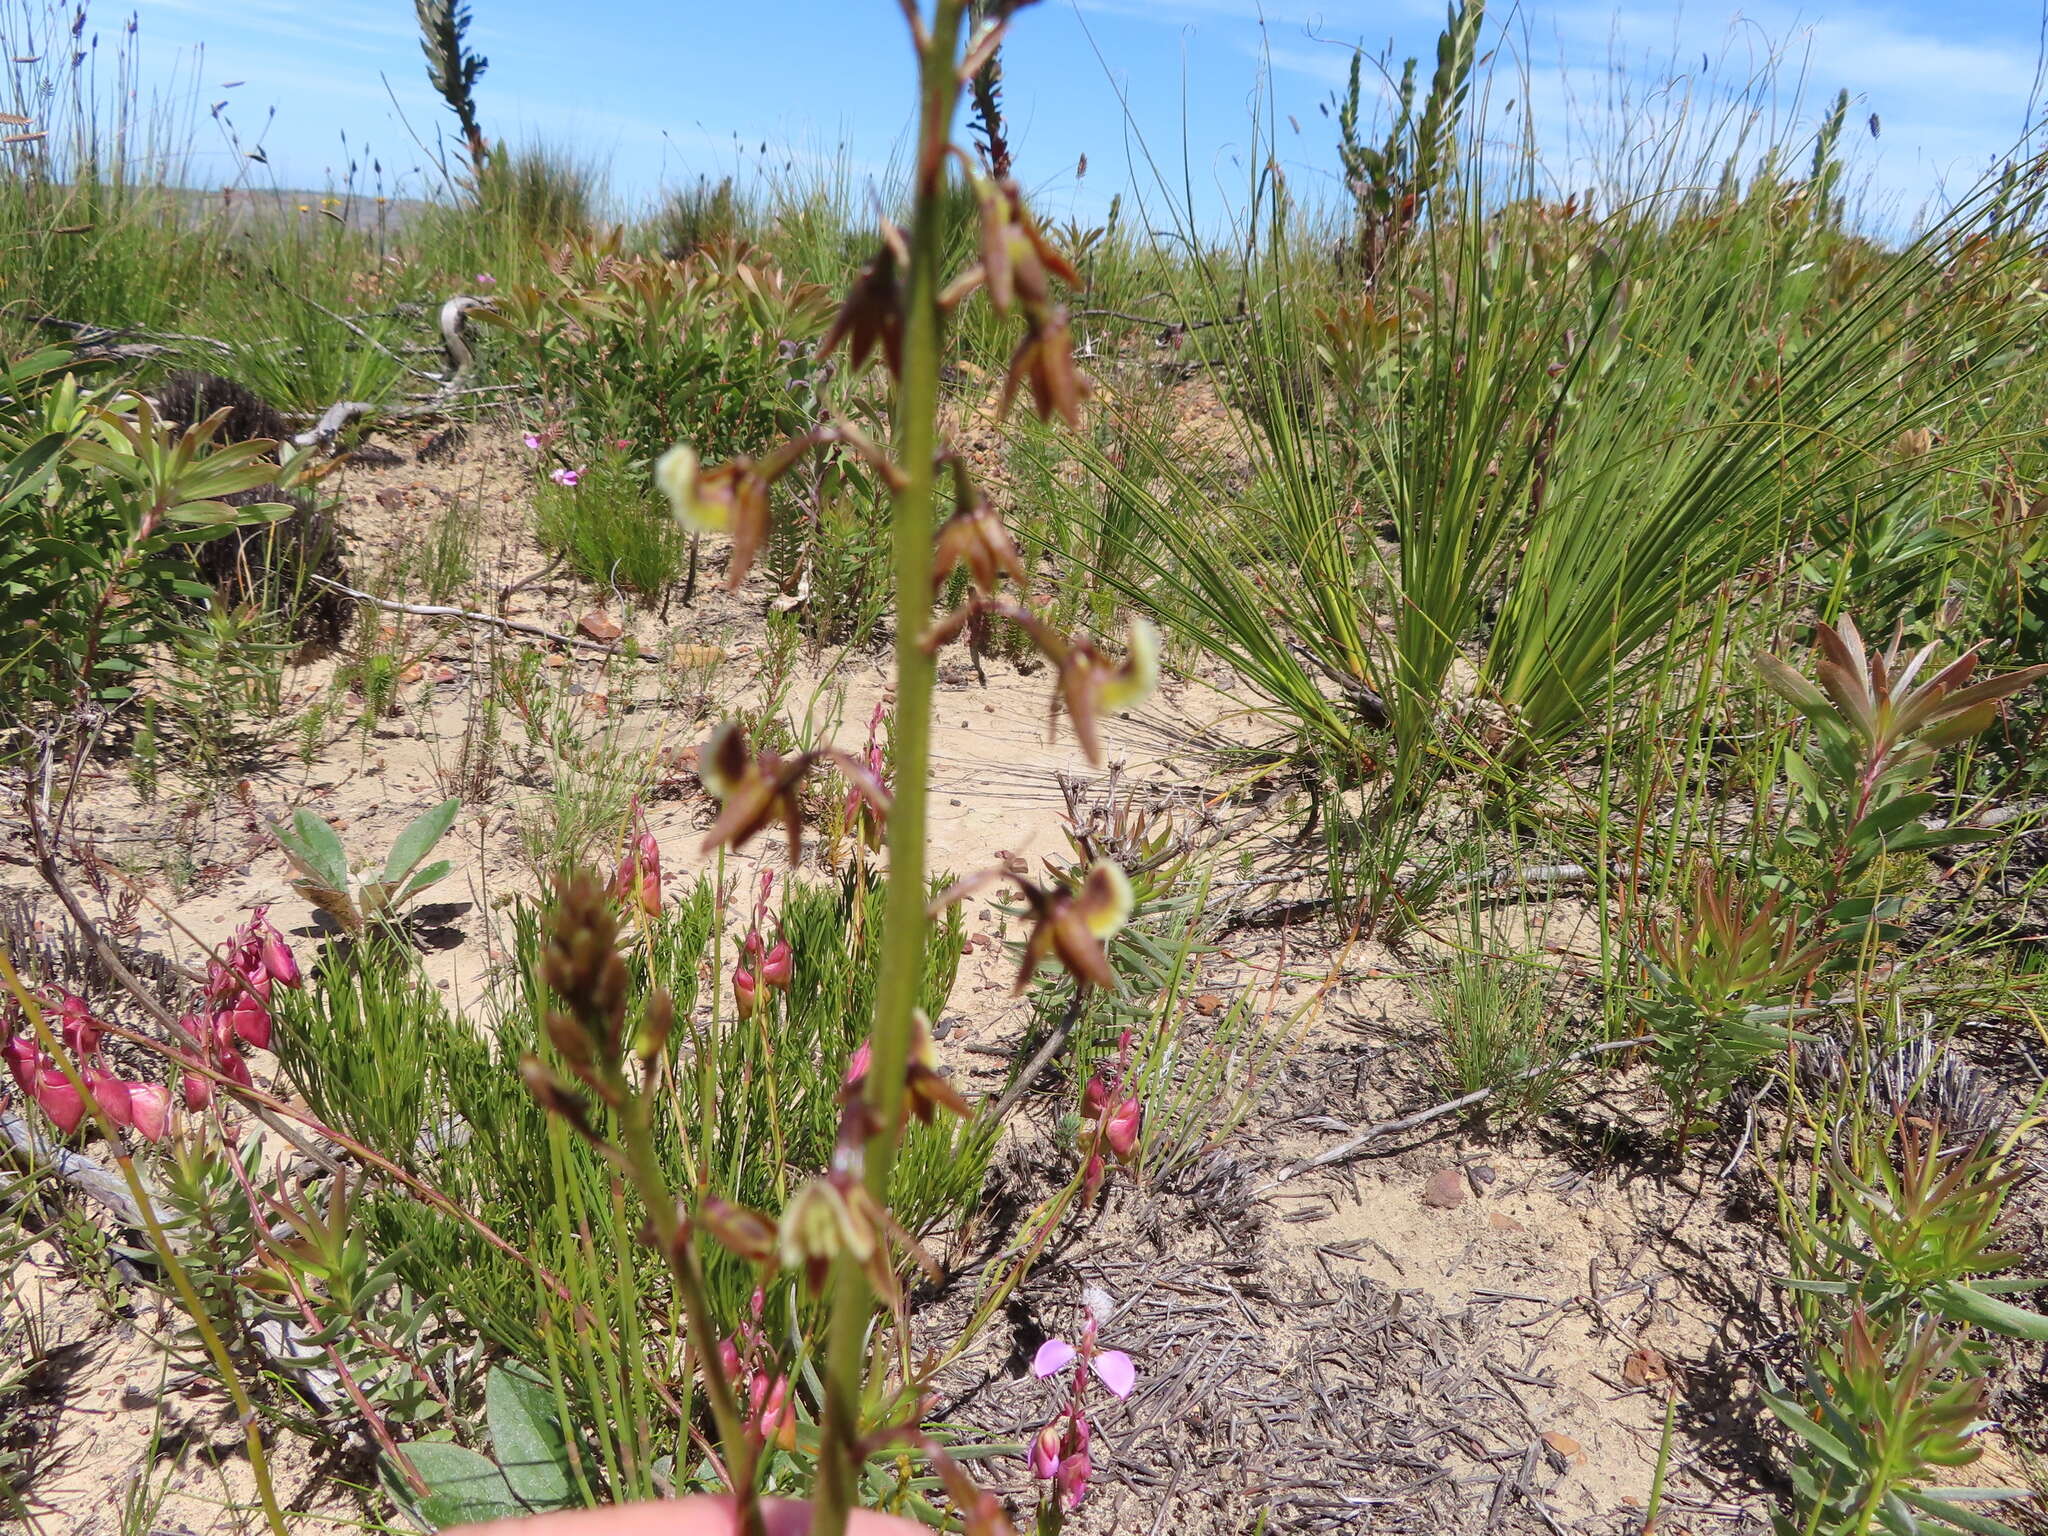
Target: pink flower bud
x=1091 y=1180
x=198 y=1091
x=231 y=1066
x=151 y=1106
x=729 y=1359
x=857 y=1067
x=639 y=877
x=1073 y=1479
x=80 y=1030
x=59 y=1100
x=1094 y=1096
x=777 y=965
x=776 y=1409
x=272 y=953
x=1044 y=1455
x=743 y=991
x=111 y=1094
x=243 y=980
x=248 y=1021
x=1122 y=1128
x=24 y=1062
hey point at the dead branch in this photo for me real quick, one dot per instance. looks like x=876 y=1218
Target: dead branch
x=472 y=616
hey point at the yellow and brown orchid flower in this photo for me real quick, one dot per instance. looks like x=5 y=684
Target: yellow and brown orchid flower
x=1073 y=926
x=731 y=499
x=757 y=788
x=873 y=312
x=976 y=537
x=1044 y=359
x=1090 y=682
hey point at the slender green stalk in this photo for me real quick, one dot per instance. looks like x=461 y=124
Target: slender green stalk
x=643 y=1163
x=903 y=919
x=188 y=1296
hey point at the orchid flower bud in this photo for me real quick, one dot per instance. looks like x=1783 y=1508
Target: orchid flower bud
x=198 y=1092
x=111 y=1094
x=1044 y=1454
x=1122 y=1128
x=1073 y=1478
x=274 y=955
x=777 y=965
x=56 y=1097
x=1091 y=1179
x=24 y=1061
x=245 y=1020
x=857 y=1066
x=80 y=1030
x=743 y=991
x=150 y=1104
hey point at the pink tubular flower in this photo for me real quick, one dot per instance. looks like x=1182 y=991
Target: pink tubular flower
x=743 y=991
x=565 y=476
x=776 y=965
x=197 y=1090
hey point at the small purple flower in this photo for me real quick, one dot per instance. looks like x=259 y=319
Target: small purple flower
x=1112 y=1367
x=485 y=280
x=531 y=439
x=565 y=476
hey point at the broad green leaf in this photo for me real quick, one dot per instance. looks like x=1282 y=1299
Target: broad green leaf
x=464 y=1487
x=317 y=848
x=527 y=1435
x=418 y=839
x=432 y=874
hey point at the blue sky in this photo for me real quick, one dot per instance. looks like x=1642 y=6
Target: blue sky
x=665 y=90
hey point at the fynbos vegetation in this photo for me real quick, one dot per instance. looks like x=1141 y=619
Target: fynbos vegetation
x=869 y=848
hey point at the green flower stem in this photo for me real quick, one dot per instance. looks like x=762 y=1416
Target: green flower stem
x=903 y=920
x=644 y=1165
x=188 y=1295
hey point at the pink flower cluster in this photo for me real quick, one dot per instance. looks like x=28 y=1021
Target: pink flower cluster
x=765 y=1401
x=1059 y=1451
x=236 y=1010
x=638 y=881
x=138 y=1106
x=772 y=965
x=1119 y=1118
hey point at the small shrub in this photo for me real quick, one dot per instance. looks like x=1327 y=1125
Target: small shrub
x=1500 y=1028
x=613 y=530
